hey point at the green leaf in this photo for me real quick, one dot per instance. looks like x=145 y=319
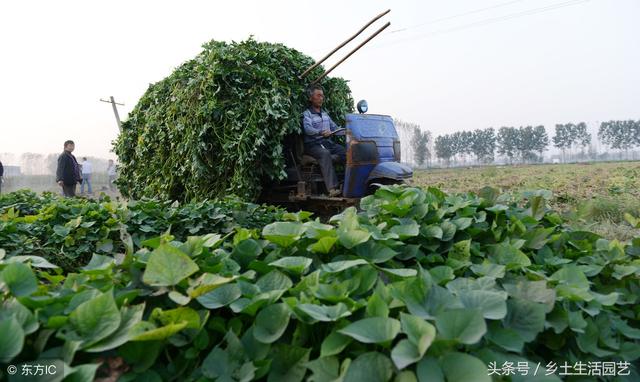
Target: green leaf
x=208 y=282
x=400 y=272
x=406 y=376
x=466 y=326
x=441 y=274
x=20 y=279
x=288 y=364
x=179 y=298
x=246 y=251
x=572 y=283
x=11 y=340
x=404 y=354
x=325 y=369
x=130 y=316
x=431 y=231
x=61 y=230
x=571 y=275
x=373 y=330
x=271 y=323
x=317 y=230
x=406 y=230
x=168 y=266
x=525 y=317
x=324 y=245
x=177 y=316
x=420 y=332
x=325 y=313
x=370 y=367
x=375 y=252
x=535 y=291
x=295 y=264
x=507 y=339
x=283 y=233
x=459 y=367
x=274 y=280
x=146 y=331
x=537 y=207
x=82 y=373
x=461 y=251
x=339 y=266
x=493 y=305
x=220 y=364
x=221 y=296
x=353 y=237
x=334 y=344
x=96 y=319
x=537 y=238
x=99 y=263
x=428 y=370
x=35 y=261
x=12 y=308
x=448 y=230
x=508 y=255
x=377 y=307
x=488 y=269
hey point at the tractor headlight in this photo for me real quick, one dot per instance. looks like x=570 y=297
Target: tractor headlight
x=366 y=151
x=396 y=151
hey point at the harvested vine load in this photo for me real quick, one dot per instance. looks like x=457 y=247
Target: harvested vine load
x=215 y=126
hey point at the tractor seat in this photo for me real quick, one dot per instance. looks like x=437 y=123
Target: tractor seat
x=308 y=160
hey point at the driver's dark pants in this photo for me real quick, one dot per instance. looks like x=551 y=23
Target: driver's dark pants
x=322 y=152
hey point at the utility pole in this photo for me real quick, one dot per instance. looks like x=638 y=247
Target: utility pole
x=115 y=109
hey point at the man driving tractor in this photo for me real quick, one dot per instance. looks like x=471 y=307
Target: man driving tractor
x=318 y=128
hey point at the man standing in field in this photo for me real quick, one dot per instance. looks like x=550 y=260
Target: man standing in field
x=318 y=126
x=87 y=170
x=68 y=171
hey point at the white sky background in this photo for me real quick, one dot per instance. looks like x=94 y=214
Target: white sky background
x=570 y=64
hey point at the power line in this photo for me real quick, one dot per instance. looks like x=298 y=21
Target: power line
x=492 y=20
x=456 y=16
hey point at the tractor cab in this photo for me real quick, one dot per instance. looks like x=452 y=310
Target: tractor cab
x=373 y=157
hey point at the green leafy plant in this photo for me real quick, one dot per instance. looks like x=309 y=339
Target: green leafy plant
x=418 y=285
x=216 y=125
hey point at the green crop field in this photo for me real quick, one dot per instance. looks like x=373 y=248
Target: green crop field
x=416 y=285
x=593 y=196
x=47 y=183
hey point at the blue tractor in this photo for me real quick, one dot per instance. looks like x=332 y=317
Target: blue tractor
x=373 y=158
x=373 y=155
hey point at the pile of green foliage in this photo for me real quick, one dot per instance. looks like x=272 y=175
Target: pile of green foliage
x=67 y=232
x=419 y=285
x=215 y=126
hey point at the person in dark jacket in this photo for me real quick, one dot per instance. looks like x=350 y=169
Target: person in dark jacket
x=68 y=172
x=1 y=175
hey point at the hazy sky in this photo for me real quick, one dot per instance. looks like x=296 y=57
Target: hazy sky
x=450 y=65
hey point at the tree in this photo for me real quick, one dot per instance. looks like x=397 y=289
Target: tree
x=620 y=135
x=508 y=142
x=539 y=141
x=562 y=139
x=582 y=137
x=571 y=135
x=483 y=144
x=444 y=147
x=420 y=145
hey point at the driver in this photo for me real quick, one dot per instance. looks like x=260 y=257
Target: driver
x=318 y=127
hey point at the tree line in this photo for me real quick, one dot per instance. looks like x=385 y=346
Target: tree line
x=524 y=144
